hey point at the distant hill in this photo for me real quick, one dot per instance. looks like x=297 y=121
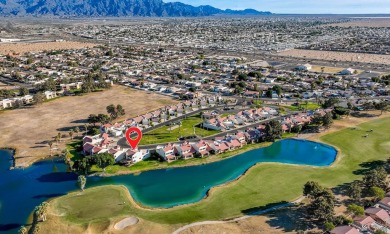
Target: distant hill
x=96 y=8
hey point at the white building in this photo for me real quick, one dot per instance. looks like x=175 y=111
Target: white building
x=348 y=71
x=304 y=67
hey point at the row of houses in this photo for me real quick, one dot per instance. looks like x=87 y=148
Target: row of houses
x=173 y=151
x=25 y=100
x=101 y=143
x=247 y=116
x=161 y=115
x=375 y=218
x=202 y=148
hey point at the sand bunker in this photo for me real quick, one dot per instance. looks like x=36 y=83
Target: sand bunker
x=125 y=223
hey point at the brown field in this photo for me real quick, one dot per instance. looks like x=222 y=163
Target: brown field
x=20 y=48
x=28 y=130
x=371 y=23
x=338 y=56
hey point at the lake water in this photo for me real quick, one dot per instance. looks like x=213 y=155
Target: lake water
x=23 y=189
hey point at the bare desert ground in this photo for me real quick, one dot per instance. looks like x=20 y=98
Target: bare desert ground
x=20 y=48
x=338 y=56
x=372 y=23
x=28 y=130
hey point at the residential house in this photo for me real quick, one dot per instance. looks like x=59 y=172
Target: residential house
x=186 y=150
x=136 y=156
x=379 y=215
x=167 y=152
x=202 y=148
x=345 y=230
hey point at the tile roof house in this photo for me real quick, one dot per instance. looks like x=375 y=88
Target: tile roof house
x=186 y=150
x=167 y=152
x=364 y=223
x=202 y=148
x=385 y=203
x=379 y=215
x=344 y=230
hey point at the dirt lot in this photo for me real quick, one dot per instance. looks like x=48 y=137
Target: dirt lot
x=338 y=56
x=286 y=220
x=374 y=23
x=20 y=48
x=28 y=130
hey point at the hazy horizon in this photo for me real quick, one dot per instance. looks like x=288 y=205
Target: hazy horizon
x=300 y=6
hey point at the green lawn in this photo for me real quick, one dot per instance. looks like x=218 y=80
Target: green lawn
x=164 y=135
x=302 y=106
x=84 y=208
x=266 y=183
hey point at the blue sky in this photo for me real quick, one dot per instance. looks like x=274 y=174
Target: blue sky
x=300 y=6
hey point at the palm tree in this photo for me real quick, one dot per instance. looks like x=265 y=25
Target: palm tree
x=50 y=143
x=77 y=130
x=59 y=136
x=86 y=128
x=71 y=134
x=82 y=181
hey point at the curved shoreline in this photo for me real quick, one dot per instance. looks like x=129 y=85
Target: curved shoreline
x=211 y=189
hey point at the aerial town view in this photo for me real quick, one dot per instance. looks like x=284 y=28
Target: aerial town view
x=222 y=117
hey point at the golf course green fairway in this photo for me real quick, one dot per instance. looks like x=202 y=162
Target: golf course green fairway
x=263 y=185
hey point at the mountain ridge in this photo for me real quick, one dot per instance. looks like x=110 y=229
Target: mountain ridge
x=118 y=8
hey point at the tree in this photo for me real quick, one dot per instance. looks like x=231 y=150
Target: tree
x=71 y=134
x=355 y=190
x=242 y=77
x=380 y=232
x=273 y=130
x=322 y=207
x=269 y=93
x=277 y=89
x=327 y=120
x=23 y=91
x=92 y=119
x=330 y=102
x=377 y=192
x=355 y=210
x=50 y=143
x=111 y=111
x=104 y=160
x=317 y=119
x=329 y=226
x=82 y=181
x=103 y=119
x=383 y=106
x=76 y=130
x=39 y=98
x=115 y=111
x=83 y=166
x=312 y=189
x=375 y=178
x=120 y=111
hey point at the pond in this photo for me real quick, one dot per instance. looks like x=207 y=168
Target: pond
x=23 y=189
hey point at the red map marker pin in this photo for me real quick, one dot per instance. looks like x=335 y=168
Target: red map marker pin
x=134 y=142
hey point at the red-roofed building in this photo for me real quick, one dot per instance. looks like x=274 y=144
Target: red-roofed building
x=167 y=152
x=202 y=148
x=345 y=230
x=186 y=150
x=385 y=203
x=379 y=215
x=364 y=223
